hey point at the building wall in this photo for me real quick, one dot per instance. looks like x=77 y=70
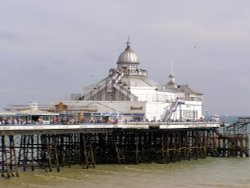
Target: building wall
x=156 y=103
x=129 y=108
x=155 y=110
x=190 y=110
x=150 y=94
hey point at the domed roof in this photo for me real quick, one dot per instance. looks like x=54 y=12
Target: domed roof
x=171 y=75
x=128 y=56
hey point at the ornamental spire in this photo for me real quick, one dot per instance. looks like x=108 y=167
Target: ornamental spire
x=172 y=68
x=171 y=78
x=128 y=42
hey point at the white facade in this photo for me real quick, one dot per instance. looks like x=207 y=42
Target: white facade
x=128 y=83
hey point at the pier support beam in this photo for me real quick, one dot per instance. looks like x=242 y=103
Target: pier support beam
x=27 y=150
x=8 y=163
x=87 y=150
x=49 y=151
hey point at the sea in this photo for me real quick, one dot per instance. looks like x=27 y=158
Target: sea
x=201 y=173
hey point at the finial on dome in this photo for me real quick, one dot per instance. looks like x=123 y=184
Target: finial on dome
x=128 y=57
x=171 y=78
x=171 y=68
x=128 y=42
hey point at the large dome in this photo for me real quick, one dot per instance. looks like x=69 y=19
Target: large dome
x=128 y=56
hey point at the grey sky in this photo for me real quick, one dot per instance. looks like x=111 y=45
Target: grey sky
x=51 y=48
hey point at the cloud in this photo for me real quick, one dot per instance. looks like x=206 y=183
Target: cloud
x=47 y=51
x=4 y=35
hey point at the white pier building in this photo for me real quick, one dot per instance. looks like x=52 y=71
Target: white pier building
x=128 y=93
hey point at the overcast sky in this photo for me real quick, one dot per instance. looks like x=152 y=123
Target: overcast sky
x=51 y=48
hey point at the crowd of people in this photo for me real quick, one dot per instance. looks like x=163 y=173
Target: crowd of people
x=55 y=120
x=13 y=121
x=74 y=120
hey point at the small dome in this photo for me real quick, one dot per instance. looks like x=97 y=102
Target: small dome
x=128 y=56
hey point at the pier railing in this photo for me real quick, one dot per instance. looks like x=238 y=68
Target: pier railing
x=13 y=129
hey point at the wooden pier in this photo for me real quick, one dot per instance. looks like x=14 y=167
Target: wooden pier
x=52 y=147
x=233 y=141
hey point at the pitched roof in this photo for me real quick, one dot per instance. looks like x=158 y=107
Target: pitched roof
x=185 y=89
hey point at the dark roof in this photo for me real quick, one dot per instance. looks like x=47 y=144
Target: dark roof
x=185 y=89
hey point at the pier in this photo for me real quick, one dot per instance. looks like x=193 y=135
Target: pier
x=234 y=141
x=51 y=147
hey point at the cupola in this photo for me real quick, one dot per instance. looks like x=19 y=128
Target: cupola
x=128 y=59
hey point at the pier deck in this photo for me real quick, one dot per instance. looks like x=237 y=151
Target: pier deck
x=60 y=128
x=54 y=146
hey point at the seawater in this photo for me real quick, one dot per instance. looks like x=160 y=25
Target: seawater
x=202 y=173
